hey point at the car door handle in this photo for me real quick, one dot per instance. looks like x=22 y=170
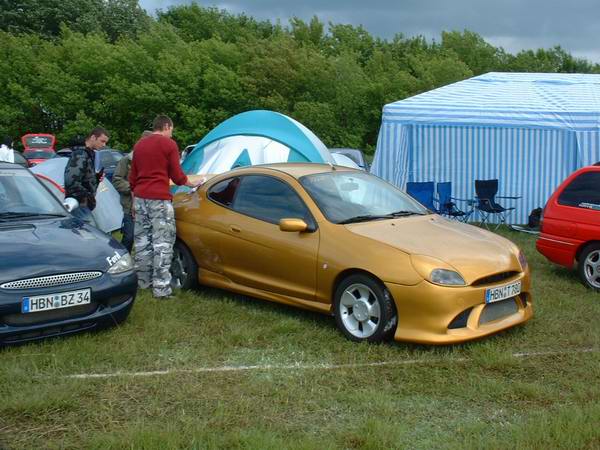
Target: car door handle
x=235 y=228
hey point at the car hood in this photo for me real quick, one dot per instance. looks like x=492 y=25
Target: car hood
x=473 y=252
x=44 y=247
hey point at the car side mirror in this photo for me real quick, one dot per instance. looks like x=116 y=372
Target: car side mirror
x=293 y=225
x=70 y=204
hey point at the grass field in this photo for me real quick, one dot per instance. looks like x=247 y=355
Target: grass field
x=235 y=372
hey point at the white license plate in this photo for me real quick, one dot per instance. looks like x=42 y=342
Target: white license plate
x=502 y=292
x=55 y=301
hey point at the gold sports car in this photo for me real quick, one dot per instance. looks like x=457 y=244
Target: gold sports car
x=343 y=242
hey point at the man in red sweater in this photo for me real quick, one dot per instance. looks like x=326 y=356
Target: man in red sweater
x=155 y=161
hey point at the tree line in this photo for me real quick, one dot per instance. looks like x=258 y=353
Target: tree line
x=69 y=65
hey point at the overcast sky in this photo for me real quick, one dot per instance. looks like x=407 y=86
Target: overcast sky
x=511 y=24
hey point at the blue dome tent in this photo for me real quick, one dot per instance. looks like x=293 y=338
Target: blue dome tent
x=255 y=137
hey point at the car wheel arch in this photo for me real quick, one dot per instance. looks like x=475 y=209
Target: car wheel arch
x=187 y=252
x=347 y=273
x=582 y=247
x=587 y=248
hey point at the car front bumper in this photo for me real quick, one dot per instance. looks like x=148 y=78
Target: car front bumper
x=112 y=297
x=432 y=314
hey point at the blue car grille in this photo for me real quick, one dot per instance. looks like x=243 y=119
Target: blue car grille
x=51 y=280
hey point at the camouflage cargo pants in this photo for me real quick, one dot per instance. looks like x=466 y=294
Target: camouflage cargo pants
x=154 y=237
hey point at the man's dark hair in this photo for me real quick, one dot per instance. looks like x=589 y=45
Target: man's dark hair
x=6 y=140
x=97 y=132
x=161 y=122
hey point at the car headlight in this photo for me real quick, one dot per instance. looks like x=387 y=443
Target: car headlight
x=522 y=260
x=446 y=277
x=123 y=264
x=436 y=271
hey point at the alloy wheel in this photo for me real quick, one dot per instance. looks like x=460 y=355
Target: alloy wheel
x=178 y=269
x=591 y=268
x=360 y=310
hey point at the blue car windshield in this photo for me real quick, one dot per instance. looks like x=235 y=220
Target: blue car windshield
x=22 y=193
x=353 y=196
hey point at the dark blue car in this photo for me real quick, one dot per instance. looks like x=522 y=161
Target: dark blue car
x=57 y=275
x=107 y=160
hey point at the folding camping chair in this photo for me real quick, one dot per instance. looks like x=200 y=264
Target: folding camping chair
x=447 y=207
x=485 y=191
x=422 y=191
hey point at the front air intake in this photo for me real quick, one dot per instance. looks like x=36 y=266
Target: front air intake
x=51 y=280
x=495 y=278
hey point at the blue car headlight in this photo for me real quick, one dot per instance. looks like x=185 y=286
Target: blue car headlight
x=124 y=264
x=522 y=260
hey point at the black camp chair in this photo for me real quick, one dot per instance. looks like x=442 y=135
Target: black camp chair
x=485 y=191
x=447 y=206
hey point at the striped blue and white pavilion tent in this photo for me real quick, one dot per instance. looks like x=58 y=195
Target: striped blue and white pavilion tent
x=528 y=130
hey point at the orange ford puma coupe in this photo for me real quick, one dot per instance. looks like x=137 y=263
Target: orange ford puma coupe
x=343 y=242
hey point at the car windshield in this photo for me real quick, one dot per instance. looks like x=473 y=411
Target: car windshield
x=346 y=197
x=22 y=195
x=39 y=155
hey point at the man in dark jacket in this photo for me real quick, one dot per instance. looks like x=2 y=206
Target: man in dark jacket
x=81 y=180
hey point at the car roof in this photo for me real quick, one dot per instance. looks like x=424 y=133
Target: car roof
x=592 y=168
x=345 y=150
x=296 y=170
x=9 y=165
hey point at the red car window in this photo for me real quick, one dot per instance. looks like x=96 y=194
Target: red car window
x=582 y=192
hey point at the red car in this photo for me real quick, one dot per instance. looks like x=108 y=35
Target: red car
x=38 y=147
x=570 y=226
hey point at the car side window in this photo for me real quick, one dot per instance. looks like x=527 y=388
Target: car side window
x=106 y=159
x=582 y=192
x=269 y=199
x=224 y=191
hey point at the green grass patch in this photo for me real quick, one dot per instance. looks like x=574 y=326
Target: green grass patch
x=472 y=395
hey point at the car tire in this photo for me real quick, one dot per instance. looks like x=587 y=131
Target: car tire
x=364 y=309
x=589 y=266
x=184 y=269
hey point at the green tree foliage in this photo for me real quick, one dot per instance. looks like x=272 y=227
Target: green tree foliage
x=196 y=23
x=551 y=60
x=116 y=18
x=472 y=50
x=68 y=65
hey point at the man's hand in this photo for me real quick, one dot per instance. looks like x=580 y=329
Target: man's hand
x=197 y=184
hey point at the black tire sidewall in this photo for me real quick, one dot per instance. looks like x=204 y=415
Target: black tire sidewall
x=386 y=303
x=580 y=266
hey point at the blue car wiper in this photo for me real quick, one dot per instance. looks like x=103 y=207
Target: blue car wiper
x=22 y=215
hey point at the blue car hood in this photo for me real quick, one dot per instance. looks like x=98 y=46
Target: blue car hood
x=44 y=247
